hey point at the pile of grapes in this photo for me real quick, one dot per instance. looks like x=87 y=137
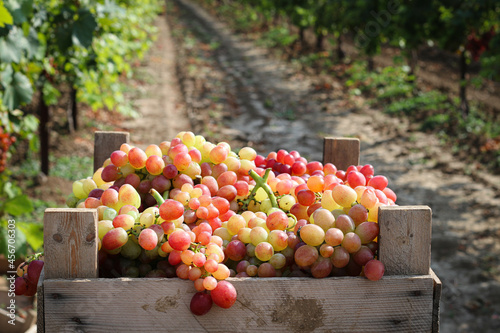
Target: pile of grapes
x=6 y=140
x=196 y=210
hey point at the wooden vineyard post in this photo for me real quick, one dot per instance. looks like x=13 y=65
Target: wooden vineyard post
x=70 y=248
x=106 y=142
x=342 y=152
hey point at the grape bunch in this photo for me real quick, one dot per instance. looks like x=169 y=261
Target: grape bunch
x=6 y=140
x=196 y=210
x=28 y=273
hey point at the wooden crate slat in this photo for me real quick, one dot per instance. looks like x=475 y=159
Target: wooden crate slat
x=343 y=152
x=106 y=142
x=405 y=239
x=436 y=298
x=70 y=245
x=354 y=304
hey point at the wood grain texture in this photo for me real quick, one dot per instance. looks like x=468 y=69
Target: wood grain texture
x=436 y=299
x=353 y=304
x=342 y=152
x=106 y=142
x=40 y=313
x=405 y=239
x=70 y=243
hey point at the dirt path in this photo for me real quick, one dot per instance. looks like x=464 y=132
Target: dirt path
x=263 y=102
x=161 y=106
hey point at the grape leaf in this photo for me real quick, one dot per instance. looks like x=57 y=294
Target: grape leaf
x=18 y=91
x=19 y=205
x=83 y=28
x=10 y=48
x=33 y=233
x=20 y=245
x=5 y=17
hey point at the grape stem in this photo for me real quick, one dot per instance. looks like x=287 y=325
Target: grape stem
x=262 y=183
x=159 y=199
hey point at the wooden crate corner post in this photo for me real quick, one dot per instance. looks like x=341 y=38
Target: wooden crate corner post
x=106 y=142
x=70 y=248
x=342 y=152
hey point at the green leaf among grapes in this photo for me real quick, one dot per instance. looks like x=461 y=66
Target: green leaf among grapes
x=83 y=28
x=5 y=17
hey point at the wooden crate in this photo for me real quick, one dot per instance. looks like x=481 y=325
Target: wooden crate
x=73 y=299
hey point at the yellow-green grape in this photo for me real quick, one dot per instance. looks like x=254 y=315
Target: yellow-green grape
x=189 y=139
x=109 y=214
x=327 y=201
x=223 y=233
x=71 y=201
x=88 y=185
x=244 y=235
x=272 y=210
x=126 y=170
x=131 y=250
x=265 y=205
x=97 y=177
x=78 y=190
x=286 y=202
x=152 y=210
x=103 y=227
x=233 y=163
x=260 y=194
x=199 y=141
x=247 y=153
x=193 y=170
x=254 y=206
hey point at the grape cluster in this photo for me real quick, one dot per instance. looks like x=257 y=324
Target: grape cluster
x=26 y=282
x=199 y=211
x=6 y=140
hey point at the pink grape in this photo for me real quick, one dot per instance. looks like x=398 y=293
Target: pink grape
x=179 y=240
x=334 y=236
x=374 y=270
x=171 y=210
x=137 y=158
x=20 y=286
x=367 y=231
x=351 y=242
x=277 y=221
x=321 y=268
x=306 y=255
x=224 y=295
x=266 y=270
x=201 y=303
x=110 y=173
x=119 y=158
x=363 y=255
x=155 y=165
x=148 y=239
x=34 y=270
x=378 y=182
x=340 y=257
x=114 y=239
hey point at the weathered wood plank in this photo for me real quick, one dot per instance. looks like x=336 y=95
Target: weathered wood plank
x=436 y=299
x=353 y=304
x=106 y=142
x=40 y=313
x=70 y=245
x=405 y=239
x=343 y=152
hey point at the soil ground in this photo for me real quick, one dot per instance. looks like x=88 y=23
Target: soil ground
x=200 y=76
